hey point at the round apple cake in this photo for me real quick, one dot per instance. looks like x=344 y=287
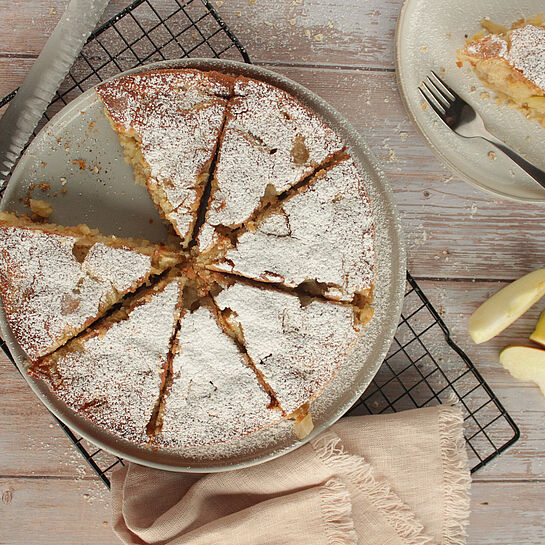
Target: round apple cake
x=248 y=317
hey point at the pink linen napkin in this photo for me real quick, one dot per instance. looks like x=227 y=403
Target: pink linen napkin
x=398 y=479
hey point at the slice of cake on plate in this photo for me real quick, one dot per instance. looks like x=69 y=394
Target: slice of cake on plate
x=511 y=62
x=169 y=122
x=112 y=373
x=320 y=240
x=55 y=281
x=270 y=143
x=214 y=396
x=295 y=344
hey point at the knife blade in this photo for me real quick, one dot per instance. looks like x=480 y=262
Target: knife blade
x=44 y=79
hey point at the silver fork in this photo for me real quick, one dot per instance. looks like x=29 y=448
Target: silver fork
x=460 y=117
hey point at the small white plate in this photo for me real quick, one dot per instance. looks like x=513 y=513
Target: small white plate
x=428 y=34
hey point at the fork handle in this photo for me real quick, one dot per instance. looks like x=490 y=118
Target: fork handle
x=537 y=174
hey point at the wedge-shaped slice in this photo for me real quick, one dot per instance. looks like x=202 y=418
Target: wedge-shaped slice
x=512 y=64
x=270 y=143
x=214 y=396
x=169 y=122
x=505 y=306
x=322 y=239
x=112 y=373
x=525 y=363
x=297 y=346
x=55 y=281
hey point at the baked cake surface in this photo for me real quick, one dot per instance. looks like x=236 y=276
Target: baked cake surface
x=55 y=281
x=169 y=122
x=512 y=63
x=297 y=346
x=113 y=372
x=323 y=234
x=270 y=143
x=254 y=320
x=214 y=396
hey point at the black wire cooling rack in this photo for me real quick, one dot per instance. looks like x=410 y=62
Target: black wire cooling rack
x=424 y=366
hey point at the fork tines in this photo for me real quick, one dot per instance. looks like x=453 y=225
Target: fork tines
x=437 y=93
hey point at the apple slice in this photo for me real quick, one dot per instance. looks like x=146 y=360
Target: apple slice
x=505 y=306
x=525 y=363
x=538 y=336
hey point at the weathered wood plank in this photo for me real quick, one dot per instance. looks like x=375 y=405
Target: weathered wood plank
x=327 y=32
x=56 y=512
x=507 y=513
x=61 y=512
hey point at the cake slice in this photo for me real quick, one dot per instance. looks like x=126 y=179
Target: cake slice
x=320 y=240
x=296 y=345
x=169 y=122
x=511 y=62
x=270 y=143
x=55 y=281
x=112 y=373
x=214 y=396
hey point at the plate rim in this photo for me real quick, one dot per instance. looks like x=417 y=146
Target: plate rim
x=398 y=279
x=401 y=21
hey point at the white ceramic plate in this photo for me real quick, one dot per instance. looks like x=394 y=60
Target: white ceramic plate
x=108 y=199
x=428 y=34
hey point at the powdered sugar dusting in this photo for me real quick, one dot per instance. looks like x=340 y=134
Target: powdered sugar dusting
x=297 y=348
x=113 y=377
x=123 y=268
x=215 y=397
x=323 y=233
x=177 y=115
x=523 y=49
x=527 y=53
x=490 y=46
x=269 y=139
x=48 y=295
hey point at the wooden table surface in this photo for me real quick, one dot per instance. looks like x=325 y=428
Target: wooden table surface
x=462 y=246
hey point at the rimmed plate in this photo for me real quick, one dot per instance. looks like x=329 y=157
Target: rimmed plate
x=78 y=151
x=428 y=34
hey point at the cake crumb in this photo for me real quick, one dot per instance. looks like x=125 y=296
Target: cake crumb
x=292 y=22
x=319 y=37
x=492 y=155
x=41 y=208
x=81 y=163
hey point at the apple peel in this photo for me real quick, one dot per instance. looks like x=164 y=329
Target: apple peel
x=525 y=363
x=538 y=336
x=505 y=306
